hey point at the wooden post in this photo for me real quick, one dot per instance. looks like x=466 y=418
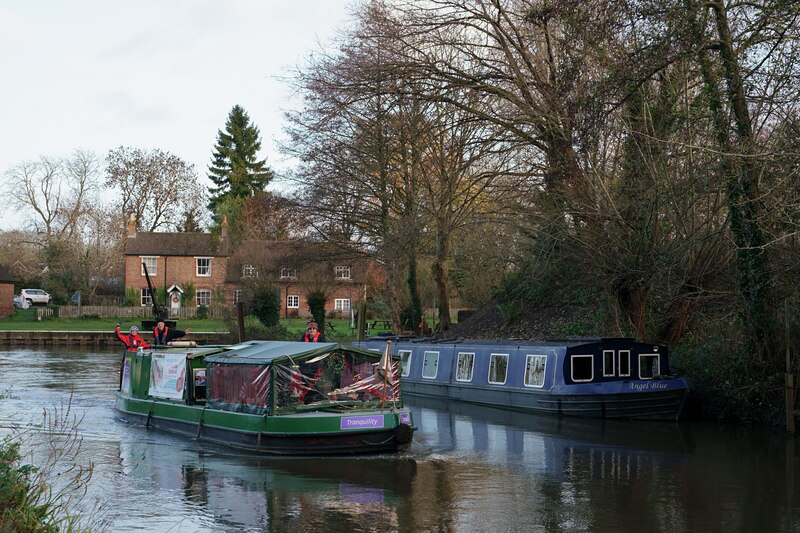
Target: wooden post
x=240 y=320
x=361 y=323
x=789 y=377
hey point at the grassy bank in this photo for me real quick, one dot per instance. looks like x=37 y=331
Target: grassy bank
x=25 y=320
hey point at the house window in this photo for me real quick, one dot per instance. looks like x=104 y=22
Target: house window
x=430 y=364
x=146 y=297
x=203 y=266
x=288 y=273
x=624 y=362
x=150 y=263
x=237 y=296
x=248 y=271
x=648 y=366
x=203 y=297
x=341 y=272
x=341 y=304
x=466 y=361
x=608 y=362
x=405 y=362
x=498 y=366
x=534 y=370
x=293 y=301
x=582 y=367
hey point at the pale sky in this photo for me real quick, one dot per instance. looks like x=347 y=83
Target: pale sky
x=98 y=74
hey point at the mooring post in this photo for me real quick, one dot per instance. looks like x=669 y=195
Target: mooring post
x=789 y=377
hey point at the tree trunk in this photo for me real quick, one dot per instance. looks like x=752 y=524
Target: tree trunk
x=743 y=193
x=440 y=274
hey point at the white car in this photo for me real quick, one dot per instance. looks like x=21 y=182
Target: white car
x=34 y=296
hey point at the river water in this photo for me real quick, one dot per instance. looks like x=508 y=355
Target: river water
x=469 y=469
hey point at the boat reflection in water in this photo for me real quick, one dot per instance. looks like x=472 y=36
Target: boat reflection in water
x=464 y=452
x=242 y=492
x=542 y=443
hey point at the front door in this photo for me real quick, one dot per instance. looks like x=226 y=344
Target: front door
x=175 y=300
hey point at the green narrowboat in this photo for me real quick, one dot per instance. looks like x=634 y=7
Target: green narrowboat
x=270 y=397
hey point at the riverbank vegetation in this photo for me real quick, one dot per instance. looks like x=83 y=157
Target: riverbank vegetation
x=44 y=477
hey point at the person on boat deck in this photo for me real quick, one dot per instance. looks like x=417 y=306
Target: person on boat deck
x=132 y=340
x=164 y=334
x=312 y=335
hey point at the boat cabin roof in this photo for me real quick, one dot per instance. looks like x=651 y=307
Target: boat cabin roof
x=267 y=352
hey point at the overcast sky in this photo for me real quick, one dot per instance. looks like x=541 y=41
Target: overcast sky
x=98 y=74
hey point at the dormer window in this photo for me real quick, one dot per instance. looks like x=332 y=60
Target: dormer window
x=288 y=273
x=249 y=271
x=341 y=272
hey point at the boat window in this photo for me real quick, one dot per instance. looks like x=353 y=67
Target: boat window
x=405 y=362
x=199 y=386
x=466 y=362
x=608 y=362
x=582 y=367
x=624 y=362
x=534 y=370
x=648 y=365
x=498 y=366
x=430 y=364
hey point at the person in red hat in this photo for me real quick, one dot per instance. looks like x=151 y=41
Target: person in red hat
x=312 y=334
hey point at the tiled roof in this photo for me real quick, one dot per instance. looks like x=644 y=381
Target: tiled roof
x=172 y=244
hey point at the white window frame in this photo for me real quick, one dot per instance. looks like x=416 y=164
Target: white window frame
x=656 y=366
x=624 y=355
x=405 y=362
x=292 y=301
x=249 y=271
x=609 y=356
x=493 y=359
x=147 y=259
x=341 y=304
x=533 y=359
x=572 y=367
x=197 y=267
x=459 y=367
x=342 y=272
x=237 y=296
x=145 y=297
x=288 y=273
x=204 y=292
x=434 y=357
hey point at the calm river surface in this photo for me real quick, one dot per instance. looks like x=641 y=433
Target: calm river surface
x=470 y=469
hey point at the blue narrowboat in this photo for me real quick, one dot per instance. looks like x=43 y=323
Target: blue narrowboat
x=596 y=377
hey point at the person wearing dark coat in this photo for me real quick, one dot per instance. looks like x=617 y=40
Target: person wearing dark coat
x=312 y=335
x=164 y=334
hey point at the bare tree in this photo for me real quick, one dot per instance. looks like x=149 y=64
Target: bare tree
x=157 y=187
x=57 y=190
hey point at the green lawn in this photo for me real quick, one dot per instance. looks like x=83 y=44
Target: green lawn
x=25 y=320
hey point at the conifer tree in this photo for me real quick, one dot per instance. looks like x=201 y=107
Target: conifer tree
x=235 y=169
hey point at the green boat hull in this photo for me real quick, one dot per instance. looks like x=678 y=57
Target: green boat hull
x=313 y=433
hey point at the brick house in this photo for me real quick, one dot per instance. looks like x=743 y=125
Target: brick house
x=174 y=260
x=6 y=292
x=294 y=268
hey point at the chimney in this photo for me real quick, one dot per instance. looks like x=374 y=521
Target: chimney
x=224 y=227
x=131 y=226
